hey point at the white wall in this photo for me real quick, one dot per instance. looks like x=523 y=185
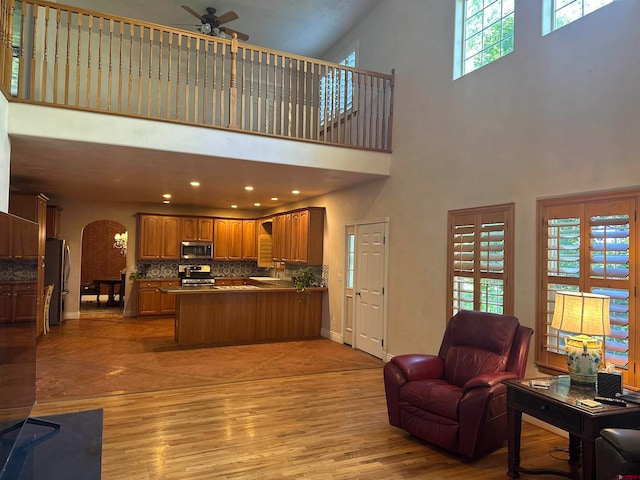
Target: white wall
x=5 y=153
x=557 y=116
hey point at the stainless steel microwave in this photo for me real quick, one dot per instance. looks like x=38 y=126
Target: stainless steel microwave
x=196 y=250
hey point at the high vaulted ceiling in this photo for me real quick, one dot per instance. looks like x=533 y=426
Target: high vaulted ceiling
x=88 y=171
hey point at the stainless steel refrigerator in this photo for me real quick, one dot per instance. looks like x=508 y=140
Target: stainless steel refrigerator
x=56 y=272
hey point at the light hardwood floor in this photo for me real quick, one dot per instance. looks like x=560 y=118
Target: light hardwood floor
x=320 y=426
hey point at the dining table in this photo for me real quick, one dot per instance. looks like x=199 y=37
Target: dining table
x=111 y=286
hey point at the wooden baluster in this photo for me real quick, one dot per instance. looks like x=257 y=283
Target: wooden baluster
x=187 y=103
x=250 y=83
x=354 y=109
x=214 y=96
x=195 y=87
x=55 y=58
x=346 y=113
x=99 y=93
x=78 y=60
x=303 y=129
x=384 y=114
x=377 y=112
x=205 y=87
x=243 y=101
x=32 y=82
x=223 y=116
x=298 y=108
x=233 y=88
x=88 y=87
x=259 y=116
x=178 y=76
x=110 y=77
x=169 y=55
x=130 y=86
x=274 y=108
x=371 y=131
x=362 y=108
x=283 y=66
x=159 y=85
x=266 y=92
x=67 y=65
x=141 y=44
x=45 y=56
x=150 y=76
x=120 y=72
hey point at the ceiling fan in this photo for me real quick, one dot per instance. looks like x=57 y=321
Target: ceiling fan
x=212 y=24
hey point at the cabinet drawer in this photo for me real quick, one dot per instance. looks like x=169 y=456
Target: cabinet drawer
x=563 y=418
x=149 y=284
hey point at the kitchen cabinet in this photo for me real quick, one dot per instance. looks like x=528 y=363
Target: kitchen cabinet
x=249 y=240
x=158 y=237
x=298 y=236
x=227 y=242
x=19 y=238
x=18 y=302
x=197 y=229
x=53 y=221
x=151 y=301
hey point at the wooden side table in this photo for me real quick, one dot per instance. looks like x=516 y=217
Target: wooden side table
x=557 y=406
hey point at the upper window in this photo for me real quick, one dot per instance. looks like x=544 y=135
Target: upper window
x=558 y=13
x=336 y=88
x=480 y=259
x=484 y=33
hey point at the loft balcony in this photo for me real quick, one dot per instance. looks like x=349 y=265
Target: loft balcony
x=59 y=56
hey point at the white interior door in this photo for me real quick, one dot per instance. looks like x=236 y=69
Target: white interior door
x=369 y=300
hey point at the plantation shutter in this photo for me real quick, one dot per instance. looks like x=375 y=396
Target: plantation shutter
x=590 y=246
x=479 y=252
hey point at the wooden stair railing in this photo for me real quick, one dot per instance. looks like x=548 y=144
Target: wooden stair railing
x=82 y=59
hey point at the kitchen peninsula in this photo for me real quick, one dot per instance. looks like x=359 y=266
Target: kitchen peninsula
x=244 y=311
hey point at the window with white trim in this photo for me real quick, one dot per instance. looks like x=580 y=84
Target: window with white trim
x=558 y=13
x=589 y=243
x=336 y=88
x=480 y=259
x=484 y=33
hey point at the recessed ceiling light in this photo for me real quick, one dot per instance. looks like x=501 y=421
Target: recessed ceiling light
x=234 y=206
x=274 y=198
x=295 y=192
x=166 y=195
x=194 y=184
x=248 y=188
x=257 y=204
x=166 y=201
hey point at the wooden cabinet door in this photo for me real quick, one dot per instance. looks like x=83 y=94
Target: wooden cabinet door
x=25 y=243
x=249 y=240
x=294 y=255
x=170 y=238
x=302 y=237
x=189 y=229
x=205 y=229
x=149 y=236
x=148 y=298
x=25 y=301
x=6 y=236
x=168 y=300
x=234 y=251
x=6 y=303
x=281 y=245
x=221 y=239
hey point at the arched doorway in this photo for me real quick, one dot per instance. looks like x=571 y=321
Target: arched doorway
x=104 y=258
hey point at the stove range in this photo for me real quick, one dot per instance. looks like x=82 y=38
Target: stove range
x=195 y=275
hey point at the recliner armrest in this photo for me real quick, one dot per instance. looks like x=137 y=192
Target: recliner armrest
x=488 y=380
x=419 y=367
x=624 y=440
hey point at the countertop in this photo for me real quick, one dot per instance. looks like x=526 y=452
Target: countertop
x=259 y=284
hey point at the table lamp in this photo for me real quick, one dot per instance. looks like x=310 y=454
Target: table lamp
x=584 y=314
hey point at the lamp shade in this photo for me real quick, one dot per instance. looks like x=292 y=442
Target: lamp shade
x=582 y=313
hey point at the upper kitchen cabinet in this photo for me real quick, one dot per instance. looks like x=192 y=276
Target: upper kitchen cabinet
x=18 y=238
x=197 y=229
x=53 y=221
x=227 y=239
x=249 y=240
x=159 y=237
x=298 y=236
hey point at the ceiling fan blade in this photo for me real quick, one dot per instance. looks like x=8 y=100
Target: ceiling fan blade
x=227 y=17
x=241 y=36
x=194 y=13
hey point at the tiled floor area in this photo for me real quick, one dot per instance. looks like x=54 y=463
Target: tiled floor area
x=99 y=355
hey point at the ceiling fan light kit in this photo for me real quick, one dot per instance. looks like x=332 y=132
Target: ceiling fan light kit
x=211 y=24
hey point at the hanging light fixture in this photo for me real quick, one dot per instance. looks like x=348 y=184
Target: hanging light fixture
x=121 y=242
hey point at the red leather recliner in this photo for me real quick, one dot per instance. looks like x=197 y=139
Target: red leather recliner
x=456 y=399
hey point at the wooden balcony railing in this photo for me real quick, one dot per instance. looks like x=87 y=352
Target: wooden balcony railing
x=67 y=57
